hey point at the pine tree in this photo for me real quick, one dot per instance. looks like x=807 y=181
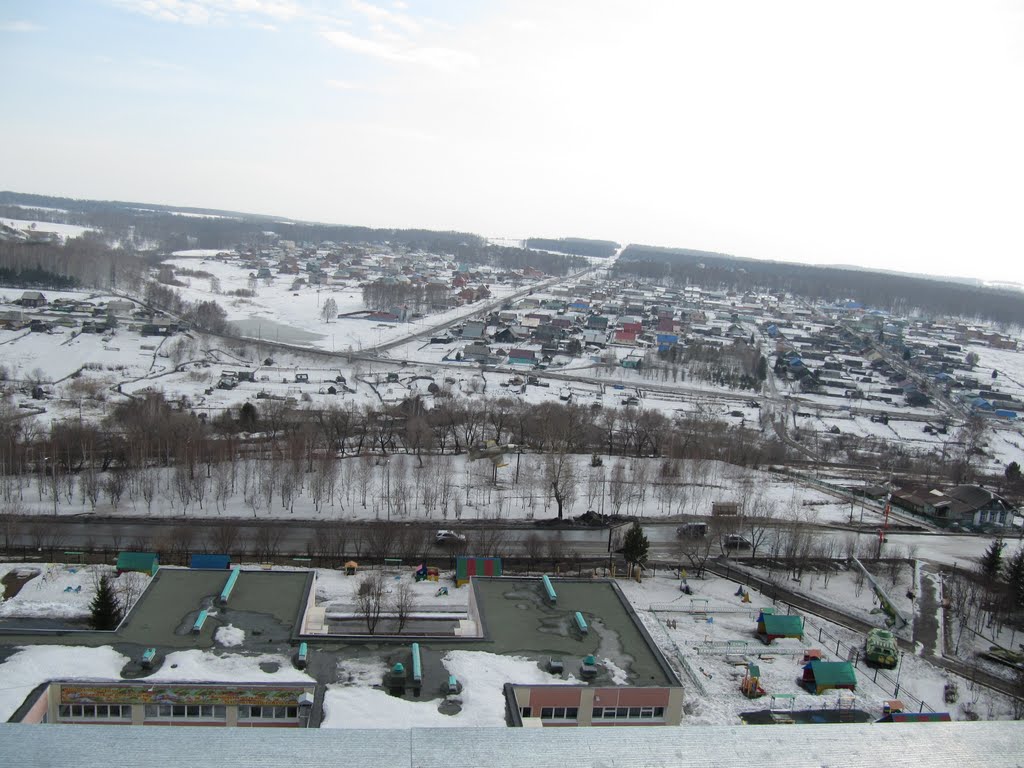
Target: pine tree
x=991 y=564
x=106 y=612
x=635 y=546
x=1015 y=579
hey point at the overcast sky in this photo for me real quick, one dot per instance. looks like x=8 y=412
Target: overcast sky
x=886 y=134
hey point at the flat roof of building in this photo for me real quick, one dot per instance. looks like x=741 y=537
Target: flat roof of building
x=269 y=601
x=918 y=745
x=519 y=620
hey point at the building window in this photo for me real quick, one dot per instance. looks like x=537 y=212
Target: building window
x=525 y=712
x=95 y=711
x=186 y=711
x=628 y=713
x=247 y=712
x=558 y=713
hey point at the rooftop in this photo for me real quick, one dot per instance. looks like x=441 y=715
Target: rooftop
x=934 y=745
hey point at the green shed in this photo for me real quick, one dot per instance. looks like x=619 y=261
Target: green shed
x=143 y=562
x=771 y=626
x=821 y=676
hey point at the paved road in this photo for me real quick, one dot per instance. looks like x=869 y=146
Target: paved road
x=295 y=537
x=926 y=623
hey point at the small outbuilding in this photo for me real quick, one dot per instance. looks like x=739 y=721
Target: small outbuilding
x=770 y=626
x=467 y=566
x=33 y=299
x=141 y=562
x=210 y=562
x=821 y=676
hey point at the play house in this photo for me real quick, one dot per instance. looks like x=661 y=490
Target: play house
x=821 y=676
x=770 y=626
x=143 y=562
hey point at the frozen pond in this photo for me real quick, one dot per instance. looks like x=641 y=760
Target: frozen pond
x=257 y=327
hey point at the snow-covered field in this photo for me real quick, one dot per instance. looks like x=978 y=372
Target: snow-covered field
x=64 y=230
x=279 y=312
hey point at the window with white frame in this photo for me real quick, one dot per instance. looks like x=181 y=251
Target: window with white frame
x=628 y=713
x=94 y=711
x=186 y=712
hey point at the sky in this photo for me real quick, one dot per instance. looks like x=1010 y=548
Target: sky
x=876 y=134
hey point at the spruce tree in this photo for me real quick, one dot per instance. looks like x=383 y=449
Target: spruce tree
x=992 y=562
x=1015 y=579
x=635 y=546
x=106 y=612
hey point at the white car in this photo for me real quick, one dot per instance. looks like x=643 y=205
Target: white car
x=448 y=537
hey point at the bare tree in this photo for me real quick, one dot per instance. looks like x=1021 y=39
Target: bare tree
x=223 y=537
x=560 y=478
x=370 y=600
x=695 y=551
x=403 y=602
x=129 y=588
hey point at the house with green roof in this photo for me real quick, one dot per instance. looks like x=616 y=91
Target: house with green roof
x=821 y=676
x=771 y=626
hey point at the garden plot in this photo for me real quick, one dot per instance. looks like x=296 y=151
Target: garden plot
x=53 y=357
x=336 y=591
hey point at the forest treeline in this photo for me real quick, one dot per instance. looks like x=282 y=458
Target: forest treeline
x=150 y=432
x=80 y=262
x=897 y=293
x=156 y=224
x=502 y=257
x=219 y=229
x=578 y=246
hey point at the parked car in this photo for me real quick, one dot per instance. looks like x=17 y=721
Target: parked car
x=692 y=530
x=448 y=537
x=735 y=541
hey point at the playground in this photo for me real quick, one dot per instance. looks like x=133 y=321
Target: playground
x=747 y=659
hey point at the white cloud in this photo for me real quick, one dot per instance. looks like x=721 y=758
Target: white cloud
x=381 y=15
x=19 y=26
x=198 y=12
x=375 y=48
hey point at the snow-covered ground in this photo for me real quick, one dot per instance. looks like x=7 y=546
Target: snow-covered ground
x=209 y=667
x=358 y=705
x=61 y=591
x=729 y=620
x=64 y=230
x=279 y=312
x=28 y=667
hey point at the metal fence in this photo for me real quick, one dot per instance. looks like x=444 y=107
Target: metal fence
x=879 y=677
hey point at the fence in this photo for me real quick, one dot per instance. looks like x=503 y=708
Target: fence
x=879 y=677
x=684 y=662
